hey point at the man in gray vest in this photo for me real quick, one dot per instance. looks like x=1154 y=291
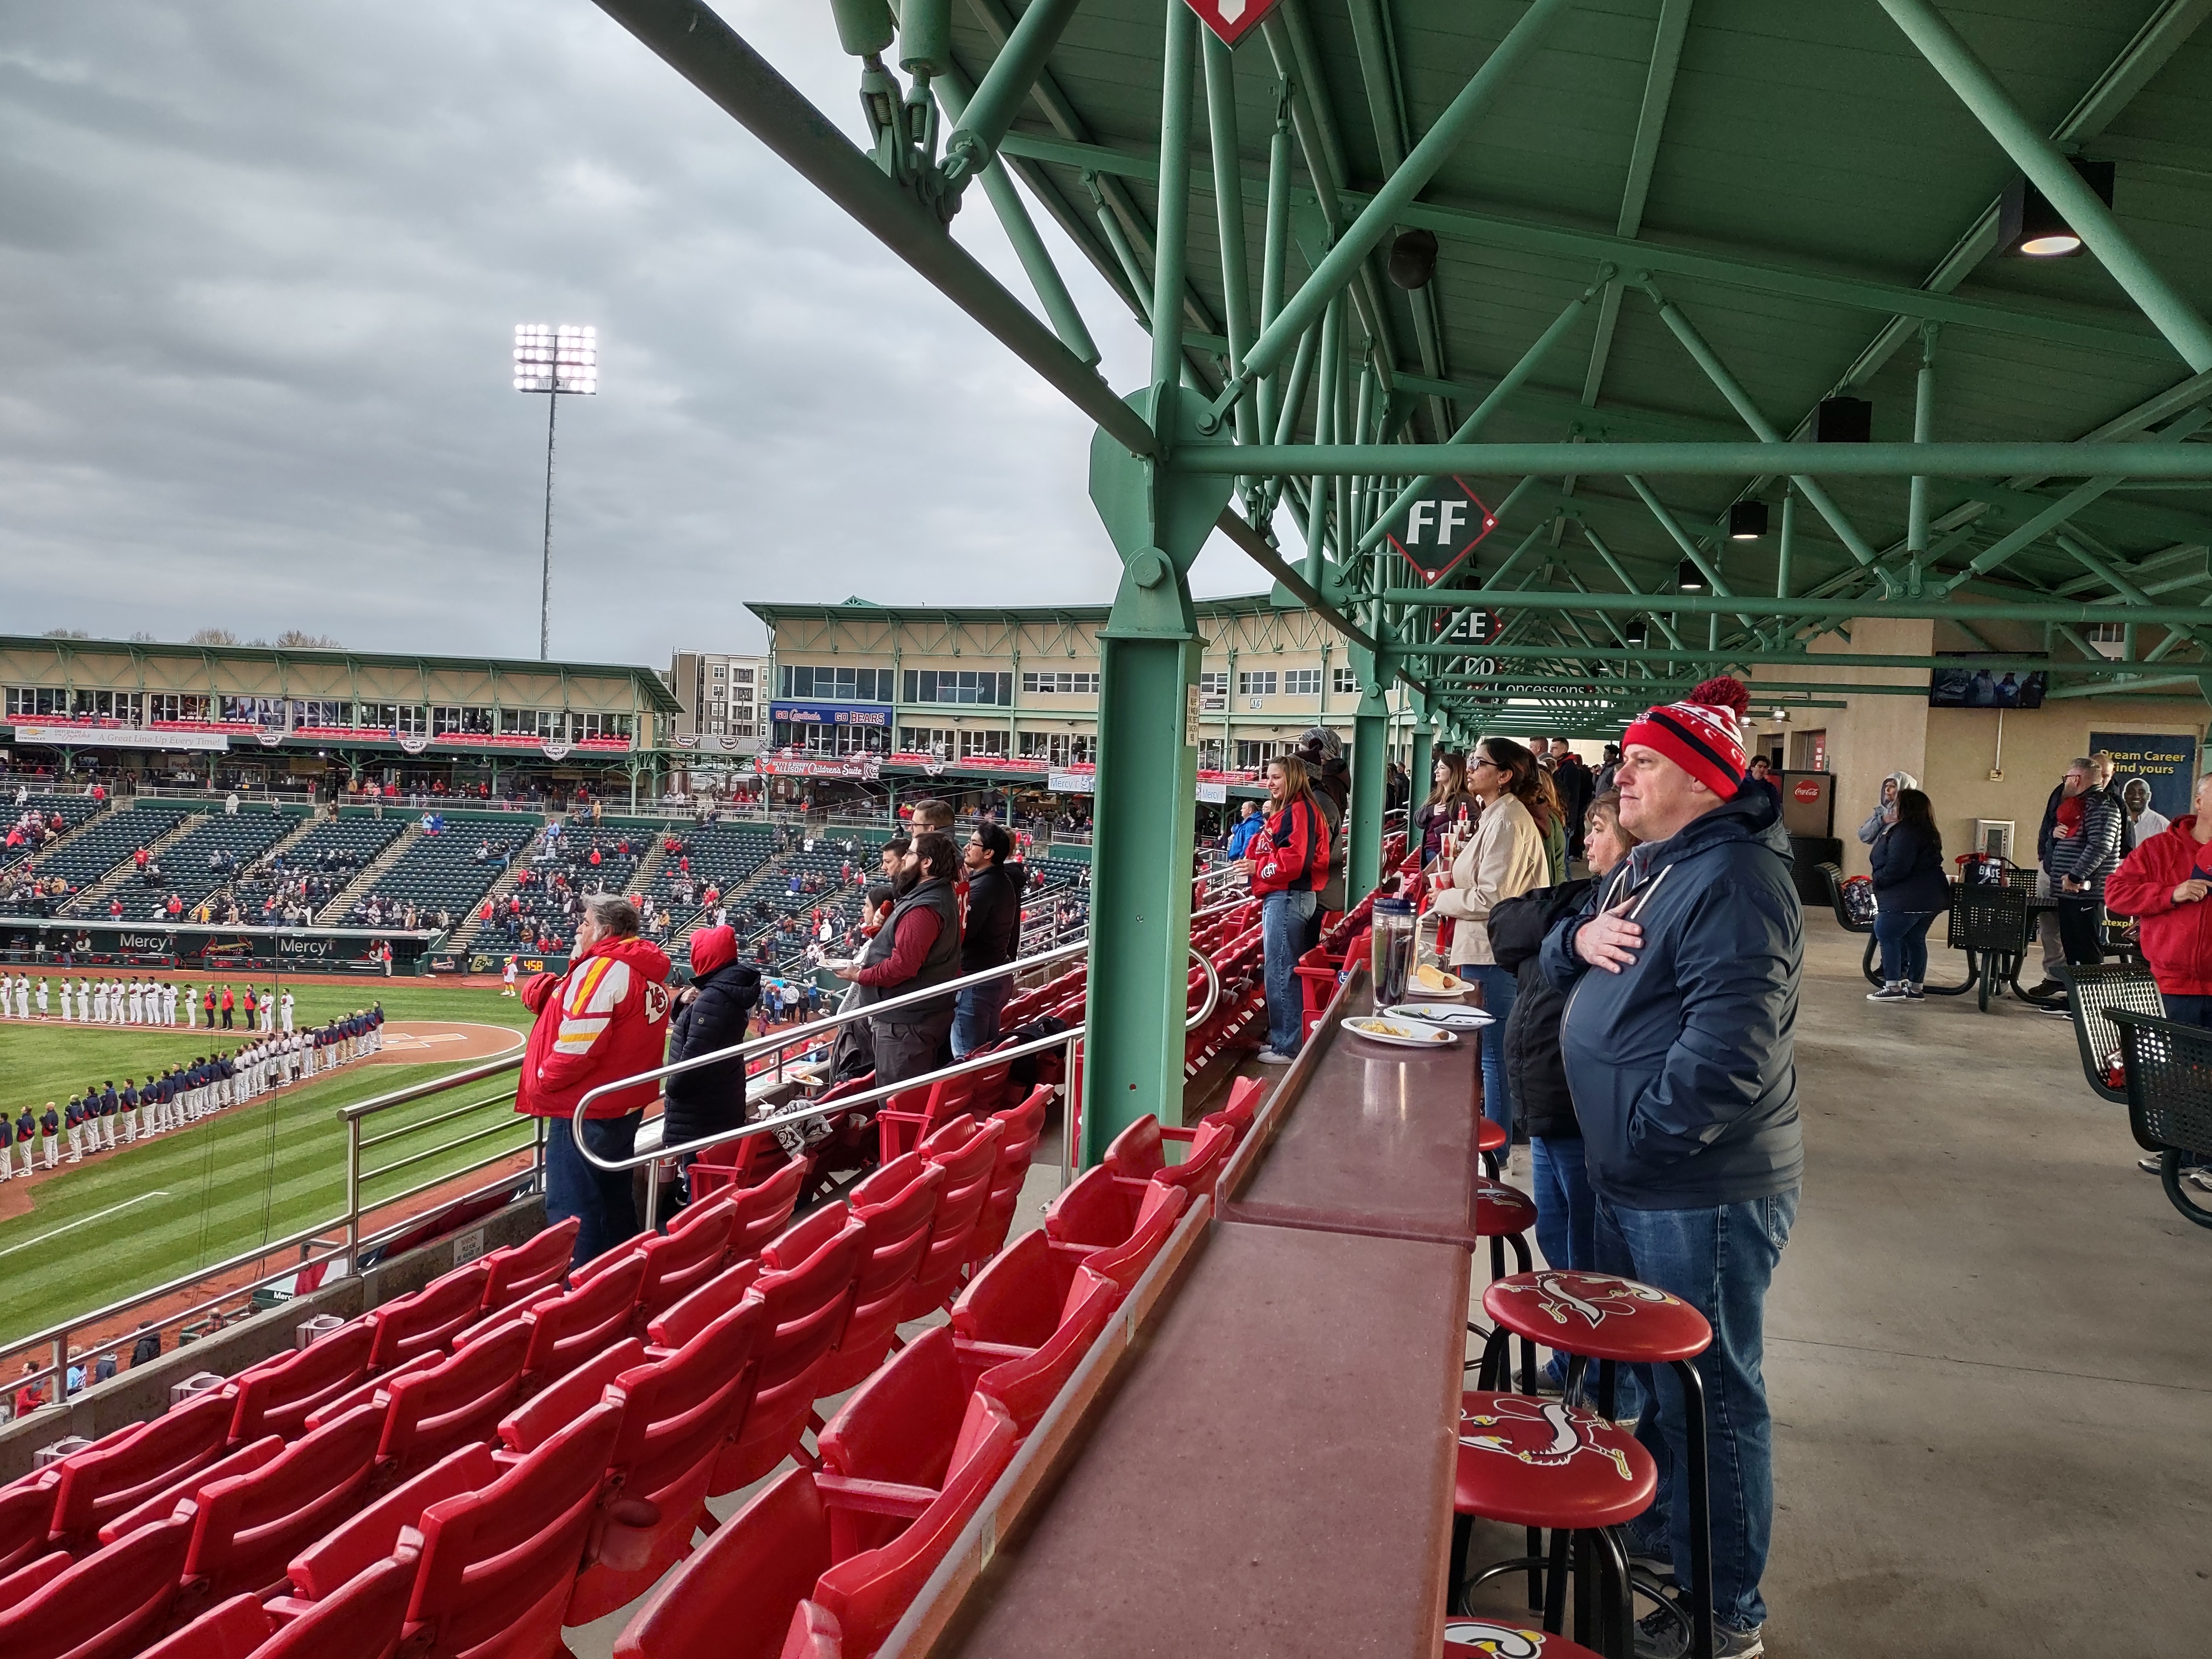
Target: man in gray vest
x=918 y=946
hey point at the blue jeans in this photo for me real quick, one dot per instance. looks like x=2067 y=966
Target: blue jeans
x=1499 y=987
x=1719 y=1260
x=975 y=1015
x=1566 y=1209
x=1283 y=918
x=600 y=1199
x=1904 y=938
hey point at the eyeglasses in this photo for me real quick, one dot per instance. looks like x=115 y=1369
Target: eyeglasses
x=1477 y=765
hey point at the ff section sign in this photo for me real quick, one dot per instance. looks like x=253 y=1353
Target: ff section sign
x=1232 y=20
x=1439 y=528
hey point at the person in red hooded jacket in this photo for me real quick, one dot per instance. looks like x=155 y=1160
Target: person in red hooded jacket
x=1290 y=866
x=605 y=1020
x=2164 y=884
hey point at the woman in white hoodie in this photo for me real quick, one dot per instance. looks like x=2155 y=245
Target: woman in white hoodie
x=1878 y=820
x=1504 y=859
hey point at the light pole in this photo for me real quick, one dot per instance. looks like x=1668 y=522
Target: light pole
x=553 y=361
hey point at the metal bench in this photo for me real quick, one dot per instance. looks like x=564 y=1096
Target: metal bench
x=2169 y=1072
x=2094 y=992
x=1868 y=963
x=1993 y=926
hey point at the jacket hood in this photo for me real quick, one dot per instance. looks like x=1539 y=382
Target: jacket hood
x=1902 y=780
x=1753 y=816
x=713 y=948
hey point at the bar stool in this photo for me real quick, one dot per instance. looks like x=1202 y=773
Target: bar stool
x=1489 y=1140
x=1504 y=1215
x=1546 y=1465
x=1617 y=1320
x=1487 y=1638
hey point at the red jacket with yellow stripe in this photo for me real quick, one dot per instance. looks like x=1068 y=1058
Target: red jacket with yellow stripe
x=606 y=1017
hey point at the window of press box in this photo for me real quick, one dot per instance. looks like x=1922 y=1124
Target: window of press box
x=1062 y=682
x=961 y=685
x=1257 y=683
x=804 y=682
x=1302 y=681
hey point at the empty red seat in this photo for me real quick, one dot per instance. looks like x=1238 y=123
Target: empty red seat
x=27 y=1514
x=246 y=1528
x=764 y=1210
x=159 y=1505
x=807 y=1306
x=686 y=1256
x=376 y=1388
x=427 y=1320
x=678 y=1414
x=109 y=1605
x=278 y=1395
x=1097 y=1210
x=894 y=1207
x=567 y=1329
x=1017 y=1302
x=680 y=1323
x=513 y=1273
x=326 y=1566
x=458 y=1402
x=910 y=1116
x=33 y=1576
x=362 y=1621
x=1027 y=1384
x=892 y=1440
x=1158 y=1213
x=969 y=1153
x=95 y=1486
x=1025 y=1128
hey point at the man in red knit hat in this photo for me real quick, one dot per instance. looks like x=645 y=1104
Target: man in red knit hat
x=1678 y=1044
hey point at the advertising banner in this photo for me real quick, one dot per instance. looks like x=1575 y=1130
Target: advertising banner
x=117 y=736
x=2166 y=761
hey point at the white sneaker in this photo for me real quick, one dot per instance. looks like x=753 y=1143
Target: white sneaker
x=1269 y=1057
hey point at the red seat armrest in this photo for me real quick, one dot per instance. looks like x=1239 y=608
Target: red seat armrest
x=873 y=1497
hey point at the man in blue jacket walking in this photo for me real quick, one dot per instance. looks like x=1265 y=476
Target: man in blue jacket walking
x=1679 y=1051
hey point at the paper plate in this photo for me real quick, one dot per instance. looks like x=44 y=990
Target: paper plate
x=1451 y=1016
x=1455 y=987
x=1402 y=1033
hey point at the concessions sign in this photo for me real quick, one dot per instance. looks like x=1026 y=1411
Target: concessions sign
x=117 y=736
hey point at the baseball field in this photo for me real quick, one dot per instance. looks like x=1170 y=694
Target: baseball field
x=121 y=1221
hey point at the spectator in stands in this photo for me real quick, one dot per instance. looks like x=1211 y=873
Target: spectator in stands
x=932 y=814
x=2087 y=837
x=1448 y=803
x=711 y=1015
x=1290 y=866
x=1249 y=824
x=2164 y=884
x=1876 y=819
x=605 y=1019
x=990 y=936
x=30 y=1396
x=917 y=947
x=1680 y=1054
x=1910 y=890
x=1504 y=859
x=1330 y=779
x=1570 y=782
x=1762 y=775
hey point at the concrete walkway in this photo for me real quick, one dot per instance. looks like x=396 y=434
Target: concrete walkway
x=1989 y=1349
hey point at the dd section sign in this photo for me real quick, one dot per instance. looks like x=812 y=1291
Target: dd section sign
x=1439 y=527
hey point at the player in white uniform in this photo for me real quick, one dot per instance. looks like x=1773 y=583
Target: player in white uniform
x=287 y=1005
x=268 y=1007
x=23 y=997
x=134 y=998
x=42 y=999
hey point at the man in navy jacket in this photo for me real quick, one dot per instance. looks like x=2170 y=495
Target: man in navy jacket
x=1679 y=1050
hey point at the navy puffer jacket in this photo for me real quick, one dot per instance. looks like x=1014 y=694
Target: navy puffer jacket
x=1908 y=872
x=1683 y=1066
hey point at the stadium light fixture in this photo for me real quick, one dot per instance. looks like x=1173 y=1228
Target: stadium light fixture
x=562 y=361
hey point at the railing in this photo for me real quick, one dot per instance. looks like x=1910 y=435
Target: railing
x=339 y=1237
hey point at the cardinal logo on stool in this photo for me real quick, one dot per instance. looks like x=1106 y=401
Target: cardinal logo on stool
x=1496 y=1641
x=1570 y=1432
x=1589 y=1297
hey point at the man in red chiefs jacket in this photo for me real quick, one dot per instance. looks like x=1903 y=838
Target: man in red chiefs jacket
x=2164 y=884
x=605 y=1019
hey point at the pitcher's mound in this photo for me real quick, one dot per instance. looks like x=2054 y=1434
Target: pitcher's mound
x=414 y=1041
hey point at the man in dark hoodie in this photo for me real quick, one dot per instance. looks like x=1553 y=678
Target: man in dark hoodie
x=1680 y=1053
x=711 y=1015
x=990 y=936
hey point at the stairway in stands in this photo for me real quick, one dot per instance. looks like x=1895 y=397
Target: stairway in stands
x=221 y=898
x=465 y=937
x=333 y=912
x=93 y=901
x=9 y=813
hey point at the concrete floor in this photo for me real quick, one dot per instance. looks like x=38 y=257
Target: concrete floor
x=1989 y=1348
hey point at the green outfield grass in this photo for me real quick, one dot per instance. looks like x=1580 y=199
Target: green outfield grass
x=147 y=1213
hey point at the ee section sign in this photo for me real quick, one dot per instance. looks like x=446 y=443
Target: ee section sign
x=1439 y=528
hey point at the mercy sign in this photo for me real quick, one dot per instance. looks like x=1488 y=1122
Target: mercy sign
x=1440 y=527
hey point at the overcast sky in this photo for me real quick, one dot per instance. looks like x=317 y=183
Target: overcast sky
x=260 y=264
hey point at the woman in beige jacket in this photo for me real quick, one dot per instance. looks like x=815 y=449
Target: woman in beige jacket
x=1504 y=859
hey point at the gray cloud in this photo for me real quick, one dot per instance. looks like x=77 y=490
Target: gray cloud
x=260 y=263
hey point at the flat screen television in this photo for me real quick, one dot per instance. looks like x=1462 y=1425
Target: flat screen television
x=1986 y=687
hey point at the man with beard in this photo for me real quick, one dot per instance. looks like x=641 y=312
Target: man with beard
x=918 y=946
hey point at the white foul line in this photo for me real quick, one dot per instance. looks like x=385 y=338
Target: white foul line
x=98 y=1215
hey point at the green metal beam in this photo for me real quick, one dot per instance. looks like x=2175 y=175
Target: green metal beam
x=1879 y=460
x=1004 y=88
x=1843 y=606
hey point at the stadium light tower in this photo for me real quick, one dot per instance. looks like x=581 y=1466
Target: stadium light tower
x=556 y=361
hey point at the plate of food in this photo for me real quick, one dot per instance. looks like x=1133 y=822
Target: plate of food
x=1450 y=1016
x=1401 y=1033
x=1429 y=981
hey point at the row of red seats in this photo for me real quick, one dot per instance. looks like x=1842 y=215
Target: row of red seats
x=208 y=1501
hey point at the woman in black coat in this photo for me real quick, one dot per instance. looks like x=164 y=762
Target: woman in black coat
x=714 y=1007
x=1910 y=891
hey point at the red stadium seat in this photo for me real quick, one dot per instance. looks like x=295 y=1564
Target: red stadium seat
x=362 y=1621
x=969 y=1154
x=377 y=1388
x=514 y=1272
x=1019 y=1300
x=815 y=1633
x=1097 y=1210
x=108 y=1606
x=1209 y=1155
x=673 y=1328
x=1124 y=1262
x=1025 y=1129
x=568 y=1329
x=278 y=1395
x=678 y=1262
x=678 y=1414
x=560 y=1403
x=911 y=1115
x=247 y=1528
x=886 y=1451
x=123 y=1471
x=764 y=1210
x=27 y=1515
x=326 y=1566
x=1027 y=1384
x=807 y=1308
x=895 y=1207
x=161 y=1504
x=427 y=1320
x=458 y=1402
x=33 y=1576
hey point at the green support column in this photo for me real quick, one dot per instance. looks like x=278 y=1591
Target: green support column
x=1420 y=763
x=1370 y=740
